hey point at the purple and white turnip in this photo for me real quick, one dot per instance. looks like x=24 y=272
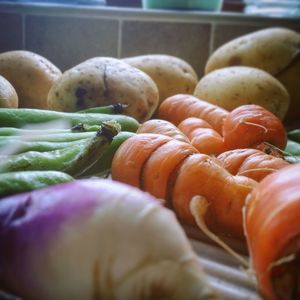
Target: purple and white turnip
x=95 y=239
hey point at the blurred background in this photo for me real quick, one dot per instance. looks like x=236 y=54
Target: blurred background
x=70 y=31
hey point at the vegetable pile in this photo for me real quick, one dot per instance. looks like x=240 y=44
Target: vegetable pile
x=163 y=164
x=32 y=158
x=101 y=175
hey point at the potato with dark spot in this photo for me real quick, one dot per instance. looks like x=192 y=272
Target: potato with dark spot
x=101 y=81
x=275 y=50
x=171 y=74
x=235 y=86
x=31 y=75
x=8 y=95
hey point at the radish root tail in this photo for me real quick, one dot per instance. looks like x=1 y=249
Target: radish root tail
x=198 y=208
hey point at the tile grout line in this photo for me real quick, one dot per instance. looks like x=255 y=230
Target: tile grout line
x=120 y=29
x=212 y=38
x=23 y=31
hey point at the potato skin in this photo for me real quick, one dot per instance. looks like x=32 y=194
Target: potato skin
x=101 y=81
x=8 y=95
x=31 y=74
x=234 y=86
x=171 y=74
x=275 y=50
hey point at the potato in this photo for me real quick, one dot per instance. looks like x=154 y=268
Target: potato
x=8 y=95
x=171 y=74
x=101 y=81
x=31 y=75
x=234 y=86
x=274 y=50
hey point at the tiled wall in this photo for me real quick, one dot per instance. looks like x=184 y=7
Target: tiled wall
x=68 y=35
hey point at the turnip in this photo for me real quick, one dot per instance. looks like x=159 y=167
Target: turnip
x=95 y=239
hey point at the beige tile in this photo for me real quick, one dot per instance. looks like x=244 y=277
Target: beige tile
x=189 y=41
x=67 y=41
x=225 y=32
x=10 y=32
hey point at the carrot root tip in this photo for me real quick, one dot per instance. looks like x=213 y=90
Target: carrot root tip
x=198 y=208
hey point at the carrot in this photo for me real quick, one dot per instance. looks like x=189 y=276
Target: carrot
x=272 y=229
x=181 y=106
x=202 y=175
x=162 y=127
x=131 y=156
x=250 y=125
x=173 y=170
x=161 y=164
x=202 y=136
x=270 y=149
x=252 y=163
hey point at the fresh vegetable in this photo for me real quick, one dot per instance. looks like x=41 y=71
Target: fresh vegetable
x=292 y=148
x=74 y=160
x=102 y=166
x=157 y=171
x=105 y=80
x=274 y=50
x=171 y=74
x=133 y=154
x=18 y=182
x=162 y=127
x=231 y=87
x=8 y=94
x=252 y=163
x=244 y=127
x=116 y=108
x=18 y=145
x=202 y=136
x=14 y=131
x=294 y=135
x=176 y=172
x=31 y=74
x=96 y=239
x=249 y=125
x=48 y=137
x=273 y=233
x=223 y=193
x=182 y=106
x=292 y=152
x=11 y=117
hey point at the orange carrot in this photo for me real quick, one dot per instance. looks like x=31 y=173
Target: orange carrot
x=202 y=136
x=162 y=127
x=269 y=149
x=173 y=170
x=181 y=106
x=131 y=156
x=160 y=166
x=250 y=125
x=202 y=175
x=272 y=229
x=252 y=163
